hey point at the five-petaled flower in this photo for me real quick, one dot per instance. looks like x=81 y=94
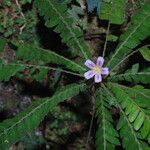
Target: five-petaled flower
x=96 y=69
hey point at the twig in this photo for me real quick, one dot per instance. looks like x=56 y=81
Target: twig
x=92 y=119
x=107 y=32
x=21 y=29
x=17 y=3
x=105 y=45
x=90 y=128
x=23 y=16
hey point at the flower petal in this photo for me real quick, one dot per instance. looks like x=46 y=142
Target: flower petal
x=98 y=78
x=89 y=64
x=89 y=74
x=105 y=71
x=100 y=61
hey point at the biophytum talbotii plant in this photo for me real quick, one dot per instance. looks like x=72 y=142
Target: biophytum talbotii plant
x=111 y=77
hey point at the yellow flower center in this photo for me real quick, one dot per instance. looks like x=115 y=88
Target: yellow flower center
x=97 y=70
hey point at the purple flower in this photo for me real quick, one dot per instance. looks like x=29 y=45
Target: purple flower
x=96 y=70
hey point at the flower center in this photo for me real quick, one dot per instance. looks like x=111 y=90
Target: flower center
x=97 y=70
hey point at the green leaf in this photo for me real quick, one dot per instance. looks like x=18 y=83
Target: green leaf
x=140 y=77
x=11 y=130
x=113 y=11
x=145 y=53
x=40 y=75
x=2 y=44
x=106 y=135
x=133 y=114
x=7 y=71
x=145 y=129
x=42 y=56
x=138 y=30
x=135 y=68
x=139 y=121
x=135 y=104
x=112 y=38
x=57 y=16
x=142 y=98
x=127 y=132
x=128 y=135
